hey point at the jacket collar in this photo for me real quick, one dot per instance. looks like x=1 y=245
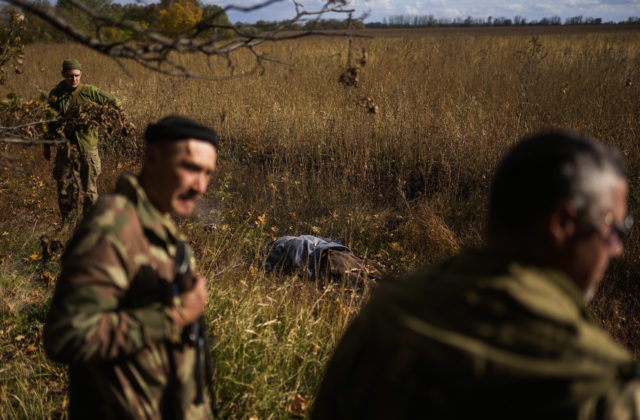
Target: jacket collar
x=161 y=225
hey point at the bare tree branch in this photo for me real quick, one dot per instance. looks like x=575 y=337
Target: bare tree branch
x=152 y=49
x=30 y=142
x=29 y=124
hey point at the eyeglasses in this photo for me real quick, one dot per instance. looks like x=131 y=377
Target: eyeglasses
x=621 y=229
x=617 y=230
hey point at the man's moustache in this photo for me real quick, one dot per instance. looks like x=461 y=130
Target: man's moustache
x=189 y=195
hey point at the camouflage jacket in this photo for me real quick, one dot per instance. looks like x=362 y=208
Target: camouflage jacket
x=110 y=318
x=60 y=101
x=478 y=336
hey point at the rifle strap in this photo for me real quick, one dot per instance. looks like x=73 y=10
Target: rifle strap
x=175 y=409
x=74 y=97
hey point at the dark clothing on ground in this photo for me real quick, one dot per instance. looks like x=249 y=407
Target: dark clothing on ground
x=302 y=252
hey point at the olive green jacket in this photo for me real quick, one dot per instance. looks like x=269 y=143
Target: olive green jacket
x=61 y=100
x=478 y=336
x=110 y=320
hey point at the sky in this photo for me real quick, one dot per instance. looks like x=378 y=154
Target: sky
x=376 y=10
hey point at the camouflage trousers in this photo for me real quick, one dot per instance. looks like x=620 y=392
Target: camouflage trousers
x=76 y=174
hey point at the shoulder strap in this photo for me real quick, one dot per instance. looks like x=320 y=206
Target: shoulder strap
x=74 y=98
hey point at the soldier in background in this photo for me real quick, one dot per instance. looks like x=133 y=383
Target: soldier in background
x=502 y=332
x=77 y=164
x=117 y=315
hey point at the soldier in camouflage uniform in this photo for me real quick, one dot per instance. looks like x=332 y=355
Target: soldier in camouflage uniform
x=77 y=164
x=116 y=317
x=502 y=332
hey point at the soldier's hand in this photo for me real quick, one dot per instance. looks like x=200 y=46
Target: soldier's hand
x=192 y=305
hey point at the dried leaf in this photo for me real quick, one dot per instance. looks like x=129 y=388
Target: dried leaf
x=350 y=77
x=298 y=406
x=260 y=222
x=47 y=278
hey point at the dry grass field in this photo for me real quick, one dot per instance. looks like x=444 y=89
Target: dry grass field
x=406 y=185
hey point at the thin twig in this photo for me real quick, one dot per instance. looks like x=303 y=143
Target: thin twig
x=22 y=140
x=15 y=127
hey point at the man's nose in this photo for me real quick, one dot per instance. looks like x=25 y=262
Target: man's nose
x=616 y=247
x=618 y=251
x=201 y=183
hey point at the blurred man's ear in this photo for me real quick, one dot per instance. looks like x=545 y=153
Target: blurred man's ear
x=150 y=156
x=157 y=156
x=152 y=159
x=561 y=224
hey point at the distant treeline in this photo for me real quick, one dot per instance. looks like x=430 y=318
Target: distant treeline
x=405 y=21
x=320 y=24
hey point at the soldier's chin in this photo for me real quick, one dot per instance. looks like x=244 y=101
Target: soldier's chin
x=184 y=207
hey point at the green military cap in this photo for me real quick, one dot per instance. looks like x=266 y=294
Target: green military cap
x=71 y=64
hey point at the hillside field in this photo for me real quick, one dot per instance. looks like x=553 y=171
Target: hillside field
x=397 y=167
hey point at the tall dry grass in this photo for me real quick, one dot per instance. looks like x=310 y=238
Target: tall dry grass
x=406 y=186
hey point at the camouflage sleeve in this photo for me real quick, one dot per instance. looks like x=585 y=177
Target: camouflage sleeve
x=88 y=319
x=100 y=96
x=53 y=102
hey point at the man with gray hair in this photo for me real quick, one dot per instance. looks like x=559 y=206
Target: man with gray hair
x=503 y=332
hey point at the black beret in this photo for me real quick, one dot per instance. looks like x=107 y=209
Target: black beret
x=175 y=128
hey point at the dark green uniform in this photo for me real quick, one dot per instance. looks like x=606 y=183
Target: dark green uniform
x=77 y=165
x=110 y=319
x=478 y=336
